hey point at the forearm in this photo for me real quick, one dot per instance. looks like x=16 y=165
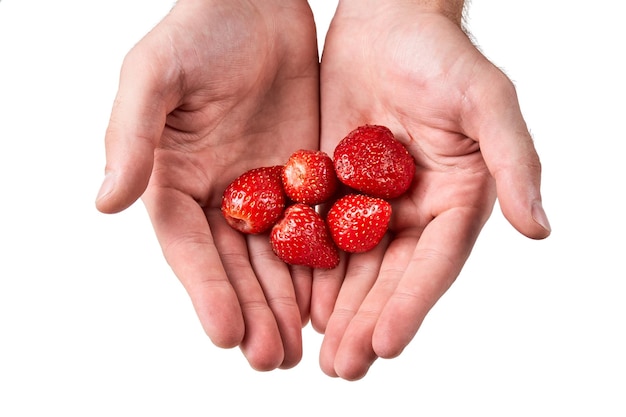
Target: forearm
x=453 y=9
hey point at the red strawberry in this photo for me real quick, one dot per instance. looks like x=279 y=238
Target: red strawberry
x=358 y=222
x=301 y=238
x=254 y=201
x=309 y=177
x=370 y=160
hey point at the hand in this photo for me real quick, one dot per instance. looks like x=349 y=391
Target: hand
x=418 y=73
x=217 y=88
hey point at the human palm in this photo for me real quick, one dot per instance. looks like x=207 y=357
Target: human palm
x=215 y=89
x=418 y=74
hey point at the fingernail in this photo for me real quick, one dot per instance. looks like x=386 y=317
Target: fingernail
x=540 y=217
x=106 y=187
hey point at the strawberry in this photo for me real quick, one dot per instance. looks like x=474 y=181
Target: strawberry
x=370 y=160
x=358 y=222
x=255 y=200
x=309 y=177
x=301 y=238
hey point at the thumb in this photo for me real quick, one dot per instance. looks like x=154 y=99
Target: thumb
x=510 y=155
x=135 y=127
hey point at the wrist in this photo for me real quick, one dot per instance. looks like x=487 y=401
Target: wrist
x=452 y=9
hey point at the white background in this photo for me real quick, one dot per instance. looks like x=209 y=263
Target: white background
x=93 y=322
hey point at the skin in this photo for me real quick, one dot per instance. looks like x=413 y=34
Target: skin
x=220 y=87
x=206 y=95
x=409 y=65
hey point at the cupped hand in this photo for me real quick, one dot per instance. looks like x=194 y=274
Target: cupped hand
x=213 y=90
x=418 y=73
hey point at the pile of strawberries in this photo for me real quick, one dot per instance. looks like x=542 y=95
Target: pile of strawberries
x=373 y=165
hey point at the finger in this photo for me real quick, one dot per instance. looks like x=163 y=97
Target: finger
x=262 y=344
x=135 y=127
x=324 y=291
x=433 y=266
x=277 y=284
x=302 y=278
x=361 y=273
x=188 y=246
x=368 y=285
x=496 y=121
